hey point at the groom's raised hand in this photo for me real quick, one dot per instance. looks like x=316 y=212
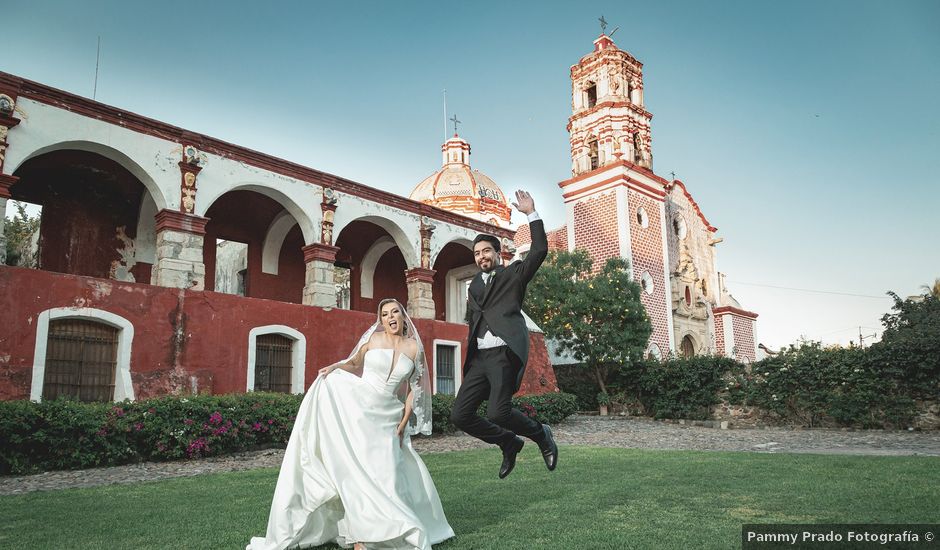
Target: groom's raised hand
x=524 y=202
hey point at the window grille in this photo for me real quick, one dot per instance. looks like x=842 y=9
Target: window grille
x=81 y=358
x=273 y=355
x=444 y=369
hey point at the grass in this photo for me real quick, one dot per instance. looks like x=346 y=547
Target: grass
x=598 y=498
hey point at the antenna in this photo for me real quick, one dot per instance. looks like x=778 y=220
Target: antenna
x=94 y=93
x=613 y=31
x=445 y=114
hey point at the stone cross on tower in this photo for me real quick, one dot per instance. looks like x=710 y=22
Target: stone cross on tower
x=456 y=122
x=603 y=24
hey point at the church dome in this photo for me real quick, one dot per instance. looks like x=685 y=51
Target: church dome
x=458 y=188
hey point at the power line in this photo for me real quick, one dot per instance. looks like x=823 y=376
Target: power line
x=812 y=290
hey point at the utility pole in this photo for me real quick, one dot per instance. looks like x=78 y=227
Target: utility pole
x=861 y=339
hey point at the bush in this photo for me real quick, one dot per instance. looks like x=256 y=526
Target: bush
x=65 y=434
x=580 y=382
x=811 y=385
x=547 y=408
x=681 y=388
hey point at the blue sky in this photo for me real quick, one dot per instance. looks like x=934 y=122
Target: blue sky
x=808 y=132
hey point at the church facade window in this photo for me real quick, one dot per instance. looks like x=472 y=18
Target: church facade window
x=680 y=227
x=646 y=282
x=642 y=218
x=591 y=92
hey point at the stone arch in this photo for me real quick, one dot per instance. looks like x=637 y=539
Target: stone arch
x=123 y=388
x=274 y=239
x=147 y=231
x=370 y=261
x=454 y=266
x=406 y=245
x=129 y=164
x=310 y=234
x=460 y=240
x=91 y=208
x=688 y=345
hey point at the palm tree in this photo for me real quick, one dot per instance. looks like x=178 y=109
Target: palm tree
x=933 y=290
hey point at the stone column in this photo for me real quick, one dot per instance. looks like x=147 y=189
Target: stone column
x=7 y=121
x=5 y=183
x=319 y=286
x=179 y=262
x=420 y=297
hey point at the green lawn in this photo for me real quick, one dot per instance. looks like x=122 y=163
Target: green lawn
x=598 y=498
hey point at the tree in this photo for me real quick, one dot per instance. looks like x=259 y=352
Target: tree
x=598 y=318
x=910 y=343
x=19 y=233
x=933 y=290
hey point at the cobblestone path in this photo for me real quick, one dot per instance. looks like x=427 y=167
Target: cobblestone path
x=628 y=433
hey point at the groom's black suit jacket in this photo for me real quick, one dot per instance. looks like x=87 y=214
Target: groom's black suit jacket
x=500 y=302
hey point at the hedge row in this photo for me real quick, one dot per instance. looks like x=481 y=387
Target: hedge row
x=64 y=434
x=807 y=385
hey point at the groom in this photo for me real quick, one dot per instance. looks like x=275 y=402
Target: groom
x=498 y=347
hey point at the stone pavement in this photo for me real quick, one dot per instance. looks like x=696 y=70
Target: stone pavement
x=618 y=432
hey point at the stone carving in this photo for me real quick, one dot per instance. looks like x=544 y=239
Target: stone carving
x=3 y=143
x=427 y=228
x=641 y=156
x=193 y=156
x=190 y=169
x=326 y=227
x=7 y=105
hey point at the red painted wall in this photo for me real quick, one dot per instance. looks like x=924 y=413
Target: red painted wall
x=86 y=200
x=183 y=334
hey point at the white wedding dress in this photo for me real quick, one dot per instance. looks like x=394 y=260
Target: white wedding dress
x=345 y=477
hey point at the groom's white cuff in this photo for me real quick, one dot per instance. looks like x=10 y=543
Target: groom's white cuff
x=533 y=217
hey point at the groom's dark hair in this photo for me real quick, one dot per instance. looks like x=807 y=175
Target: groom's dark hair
x=488 y=238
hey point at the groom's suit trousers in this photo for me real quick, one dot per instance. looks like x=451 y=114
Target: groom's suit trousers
x=491 y=376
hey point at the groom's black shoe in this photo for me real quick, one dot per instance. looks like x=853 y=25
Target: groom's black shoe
x=549 y=448
x=509 y=456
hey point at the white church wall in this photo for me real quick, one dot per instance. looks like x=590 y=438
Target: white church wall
x=45 y=128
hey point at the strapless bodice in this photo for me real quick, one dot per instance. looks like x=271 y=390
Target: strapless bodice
x=376 y=365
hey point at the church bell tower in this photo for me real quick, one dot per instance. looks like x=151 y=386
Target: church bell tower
x=608 y=121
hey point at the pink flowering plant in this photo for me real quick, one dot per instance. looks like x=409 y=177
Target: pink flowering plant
x=66 y=434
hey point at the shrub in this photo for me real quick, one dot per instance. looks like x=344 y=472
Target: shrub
x=681 y=388
x=811 y=385
x=65 y=434
x=548 y=408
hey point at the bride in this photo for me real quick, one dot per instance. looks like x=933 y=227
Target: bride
x=350 y=474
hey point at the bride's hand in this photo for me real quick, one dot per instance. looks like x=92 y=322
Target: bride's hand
x=327 y=370
x=401 y=432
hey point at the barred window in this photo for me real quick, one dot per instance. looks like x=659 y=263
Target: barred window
x=444 y=369
x=81 y=358
x=273 y=359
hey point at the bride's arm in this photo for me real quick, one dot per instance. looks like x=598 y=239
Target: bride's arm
x=406 y=414
x=352 y=365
